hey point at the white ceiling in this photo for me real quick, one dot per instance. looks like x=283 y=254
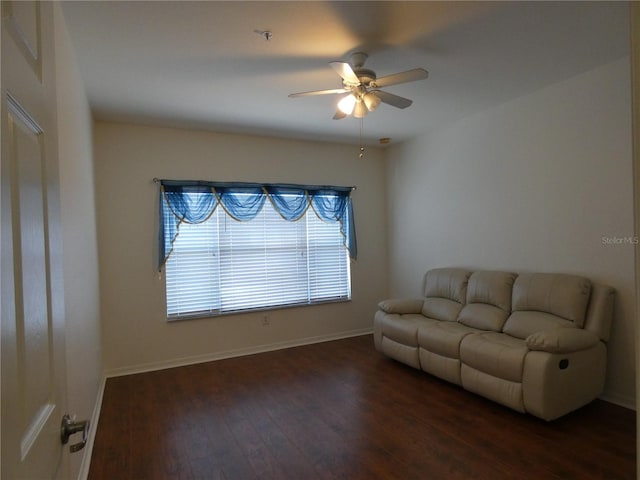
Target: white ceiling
x=200 y=64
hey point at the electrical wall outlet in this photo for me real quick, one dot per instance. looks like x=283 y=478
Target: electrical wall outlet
x=265 y=320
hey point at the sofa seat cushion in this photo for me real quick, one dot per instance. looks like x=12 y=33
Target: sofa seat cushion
x=443 y=338
x=402 y=329
x=496 y=354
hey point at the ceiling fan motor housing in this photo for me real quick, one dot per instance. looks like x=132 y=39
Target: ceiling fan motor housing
x=365 y=75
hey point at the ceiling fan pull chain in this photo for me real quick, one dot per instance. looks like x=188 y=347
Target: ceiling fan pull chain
x=361 y=146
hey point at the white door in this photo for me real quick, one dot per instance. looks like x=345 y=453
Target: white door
x=32 y=348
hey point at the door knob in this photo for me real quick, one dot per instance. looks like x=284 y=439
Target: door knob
x=69 y=427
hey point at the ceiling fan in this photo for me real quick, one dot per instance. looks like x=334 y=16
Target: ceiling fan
x=360 y=86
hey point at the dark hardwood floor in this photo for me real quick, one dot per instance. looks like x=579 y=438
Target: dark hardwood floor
x=340 y=410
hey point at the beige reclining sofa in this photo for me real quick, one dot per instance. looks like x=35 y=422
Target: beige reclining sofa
x=535 y=342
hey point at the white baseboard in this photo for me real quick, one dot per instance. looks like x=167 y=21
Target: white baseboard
x=621 y=400
x=83 y=474
x=180 y=362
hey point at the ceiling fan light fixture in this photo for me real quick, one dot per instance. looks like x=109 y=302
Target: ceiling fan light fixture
x=347 y=104
x=371 y=101
x=360 y=109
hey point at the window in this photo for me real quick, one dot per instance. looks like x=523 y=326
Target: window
x=224 y=265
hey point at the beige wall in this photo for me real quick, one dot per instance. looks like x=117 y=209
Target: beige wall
x=534 y=184
x=84 y=364
x=136 y=335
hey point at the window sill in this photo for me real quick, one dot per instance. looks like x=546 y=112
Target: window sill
x=214 y=314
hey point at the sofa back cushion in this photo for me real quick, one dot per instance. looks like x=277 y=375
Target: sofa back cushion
x=488 y=302
x=445 y=291
x=547 y=300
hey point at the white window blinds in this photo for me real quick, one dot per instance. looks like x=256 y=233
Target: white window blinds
x=223 y=265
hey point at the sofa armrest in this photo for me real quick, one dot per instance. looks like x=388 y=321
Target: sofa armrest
x=401 y=305
x=562 y=340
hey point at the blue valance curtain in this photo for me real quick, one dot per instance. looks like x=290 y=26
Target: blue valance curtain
x=195 y=202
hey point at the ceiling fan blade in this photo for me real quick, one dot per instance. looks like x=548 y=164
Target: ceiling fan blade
x=402 y=77
x=393 y=100
x=346 y=72
x=319 y=92
x=339 y=115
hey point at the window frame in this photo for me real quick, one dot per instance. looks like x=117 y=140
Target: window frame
x=345 y=268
